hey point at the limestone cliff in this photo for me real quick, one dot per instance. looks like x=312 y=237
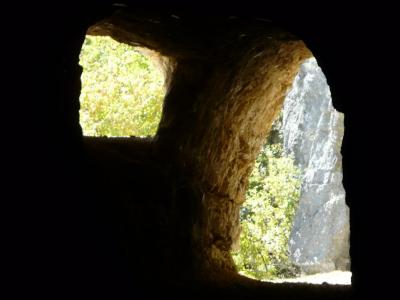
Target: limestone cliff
x=312 y=132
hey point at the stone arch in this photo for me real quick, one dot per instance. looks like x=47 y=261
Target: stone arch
x=220 y=106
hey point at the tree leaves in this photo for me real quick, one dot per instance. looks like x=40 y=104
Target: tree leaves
x=122 y=91
x=267 y=216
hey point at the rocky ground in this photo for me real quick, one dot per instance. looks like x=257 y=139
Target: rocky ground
x=335 y=277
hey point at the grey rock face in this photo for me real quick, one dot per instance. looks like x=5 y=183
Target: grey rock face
x=312 y=133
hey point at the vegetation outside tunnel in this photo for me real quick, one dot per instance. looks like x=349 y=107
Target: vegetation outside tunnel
x=122 y=90
x=267 y=215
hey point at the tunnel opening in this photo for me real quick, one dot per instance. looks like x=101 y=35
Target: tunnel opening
x=295 y=222
x=123 y=89
x=219 y=105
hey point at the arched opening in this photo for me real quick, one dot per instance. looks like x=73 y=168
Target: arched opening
x=220 y=105
x=123 y=89
x=295 y=222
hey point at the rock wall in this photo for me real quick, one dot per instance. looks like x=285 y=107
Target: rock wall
x=313 y=132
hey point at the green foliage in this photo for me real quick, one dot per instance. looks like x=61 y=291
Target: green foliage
x=267 y=215
x=122 y=92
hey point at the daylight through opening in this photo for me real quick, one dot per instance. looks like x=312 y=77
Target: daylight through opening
x=122 y=89
x=295 y=222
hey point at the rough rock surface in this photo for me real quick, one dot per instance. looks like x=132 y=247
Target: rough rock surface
x=227 y=87
x=312 y=132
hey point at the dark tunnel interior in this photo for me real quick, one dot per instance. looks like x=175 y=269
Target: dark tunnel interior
x=92 y=204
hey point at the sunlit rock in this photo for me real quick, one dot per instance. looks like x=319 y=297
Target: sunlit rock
x=312 y=133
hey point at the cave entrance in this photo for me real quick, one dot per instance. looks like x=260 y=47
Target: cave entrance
x=122 y=89
x=295 y=222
